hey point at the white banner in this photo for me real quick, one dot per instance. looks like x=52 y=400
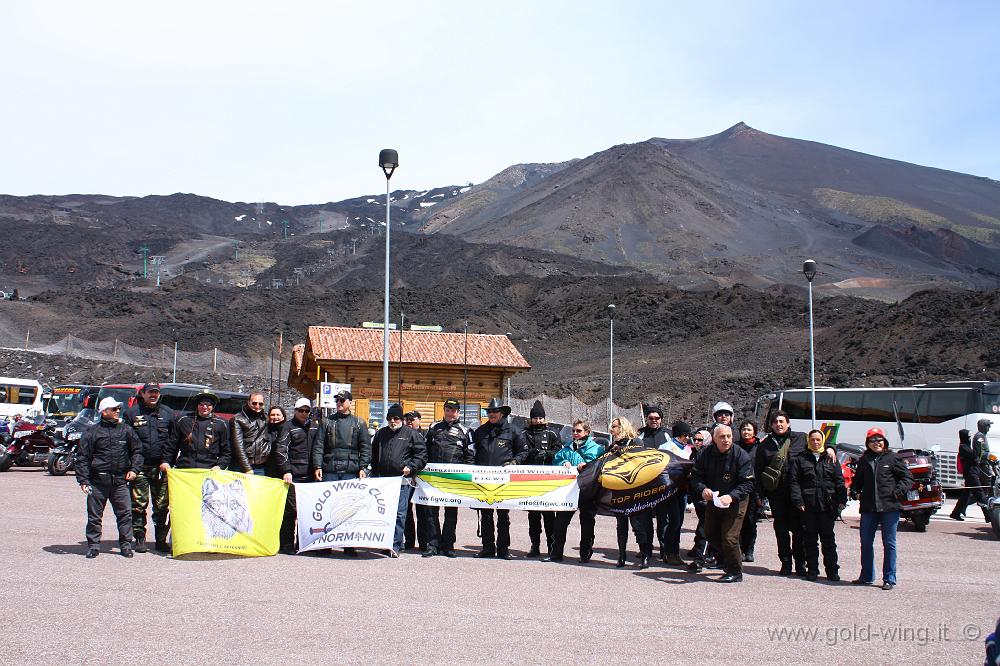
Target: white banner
x=523 y=487
x=356 y=513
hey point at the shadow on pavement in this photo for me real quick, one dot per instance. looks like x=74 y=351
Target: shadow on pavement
x=979 y=533
x=78 y=548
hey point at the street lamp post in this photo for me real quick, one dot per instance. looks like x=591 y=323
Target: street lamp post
x=611 y=368
x=388 y=160
x=809 y=270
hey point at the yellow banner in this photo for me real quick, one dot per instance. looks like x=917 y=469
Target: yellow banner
x=217 y=511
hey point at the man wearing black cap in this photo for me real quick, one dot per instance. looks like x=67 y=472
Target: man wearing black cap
x=448 y=441
x=151 y=422
x=497 y=443
x=200 y=441
x=398 y=451
x=542 y=445
x=653 y=435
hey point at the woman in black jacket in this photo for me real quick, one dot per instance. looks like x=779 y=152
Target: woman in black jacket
x=748 y=441
x=276 y=436
x=817 y=489
x=880 y=481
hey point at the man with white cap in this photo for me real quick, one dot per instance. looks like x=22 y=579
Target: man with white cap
x=292 y=458
x=109 y=456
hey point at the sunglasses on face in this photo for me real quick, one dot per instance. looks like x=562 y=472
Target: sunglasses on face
x=877 y=440
x=699 y=439
x=115 y=409
x=652 y=418
x=395 y=418
x=341 y=399
x=302 y=409
x=578 y=430
x=256 y=404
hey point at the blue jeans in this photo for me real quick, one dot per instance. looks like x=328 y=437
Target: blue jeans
x=888 y=520
x=338 y=476
x=259 y=471
x=401 y=508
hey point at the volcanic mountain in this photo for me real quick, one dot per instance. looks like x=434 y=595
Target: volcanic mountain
x=744 y=206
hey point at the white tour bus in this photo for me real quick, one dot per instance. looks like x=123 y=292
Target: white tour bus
x=20 y=396
x=928 y=414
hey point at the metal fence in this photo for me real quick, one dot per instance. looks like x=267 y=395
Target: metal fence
x=210 y=360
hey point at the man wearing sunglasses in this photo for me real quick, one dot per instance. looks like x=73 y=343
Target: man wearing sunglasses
x=398 y=451
x=151 y=422
x=109 y=456
x=414 y=531
x=497 y=443
x=248 y=436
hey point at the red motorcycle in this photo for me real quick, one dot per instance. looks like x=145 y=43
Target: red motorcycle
x=29 y=445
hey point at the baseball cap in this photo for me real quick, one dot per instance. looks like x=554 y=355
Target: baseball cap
x=303 y=402
x=345 y=394
x=412 y=415
x=873 y=432
x=451 y=403
x=107 y=403
x=150 y=386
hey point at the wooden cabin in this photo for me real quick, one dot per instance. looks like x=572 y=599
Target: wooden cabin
x=425 y=369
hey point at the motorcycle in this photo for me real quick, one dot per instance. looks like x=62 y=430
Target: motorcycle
x=924 y=497
x=62 y=458
x=30 y=444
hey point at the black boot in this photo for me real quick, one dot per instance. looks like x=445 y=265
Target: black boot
x=644 y=558
x=140 y=544
x=621 y=558
x=535 y=551
x=786 y=568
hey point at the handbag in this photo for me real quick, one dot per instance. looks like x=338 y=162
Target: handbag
x=770 y=477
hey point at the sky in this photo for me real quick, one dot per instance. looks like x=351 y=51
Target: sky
x=291 y=102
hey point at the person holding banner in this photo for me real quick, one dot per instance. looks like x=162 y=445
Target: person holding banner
x=542 y=445
x=200 y=441
x=497 y=444
x=623 y=436
x=291 y=457
x=582 y=449
x=400 y=451
x=448 y=441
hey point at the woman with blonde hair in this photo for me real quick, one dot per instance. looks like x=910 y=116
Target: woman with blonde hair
x=623 y=436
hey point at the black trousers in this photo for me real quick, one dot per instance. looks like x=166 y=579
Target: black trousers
x=748 y=533
x=722 y=527
x=498 y=542
x=669 y=520
x=642 y=526
x=415 y=531
x=787 y=530
x=287 y=536
x=971 y=494
x=819 y=527
x=588 y=519
x=538 y=519
x=121 y=503
x=439 y=538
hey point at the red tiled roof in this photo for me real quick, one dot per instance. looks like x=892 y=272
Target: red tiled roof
x=335 y=343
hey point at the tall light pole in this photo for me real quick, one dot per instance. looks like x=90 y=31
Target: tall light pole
x=611 y=368
x=809 y=270
x=388 y=160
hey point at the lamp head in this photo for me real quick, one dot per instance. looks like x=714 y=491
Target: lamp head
x=611 y=311
x=388 y=159
x=809 y=269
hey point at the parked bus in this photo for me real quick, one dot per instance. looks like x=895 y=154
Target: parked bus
x=927 y=415
x=20 y=396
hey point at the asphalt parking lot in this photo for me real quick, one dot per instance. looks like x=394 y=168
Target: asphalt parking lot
x=60 y=607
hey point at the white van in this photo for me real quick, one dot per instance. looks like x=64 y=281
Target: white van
x=20 y=396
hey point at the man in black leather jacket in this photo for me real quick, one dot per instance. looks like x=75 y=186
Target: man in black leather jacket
x=398 y=451
x=497 y=443
x=786 y=520
x=109 y=456
x=542 y=445
x=200 y=441
x=448 y=441
x=151 y=422
x=342 y=449
x=248 y=437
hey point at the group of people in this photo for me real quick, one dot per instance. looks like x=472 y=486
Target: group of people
x=735 y=475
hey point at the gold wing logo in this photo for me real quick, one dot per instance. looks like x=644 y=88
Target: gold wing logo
x=493 y=493
x=632 y=469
